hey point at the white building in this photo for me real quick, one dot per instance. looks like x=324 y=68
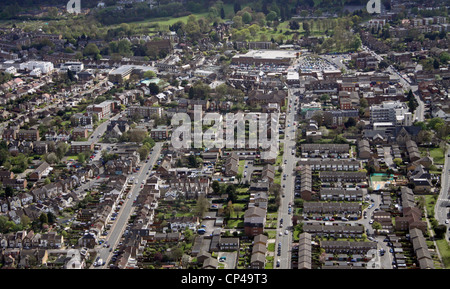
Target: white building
x=73 y=66
x=11 y=70
x=44 y=66
x=388 y=111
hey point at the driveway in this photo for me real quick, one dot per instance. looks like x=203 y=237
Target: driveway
x=230 y=261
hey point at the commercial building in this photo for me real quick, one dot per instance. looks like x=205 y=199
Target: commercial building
x=124 y=72
x=388 y=112
x=265 y=57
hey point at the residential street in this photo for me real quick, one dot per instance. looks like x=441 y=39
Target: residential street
x=288 y=165
x=118 y=228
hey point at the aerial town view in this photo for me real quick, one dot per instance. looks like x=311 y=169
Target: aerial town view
x=224 y=134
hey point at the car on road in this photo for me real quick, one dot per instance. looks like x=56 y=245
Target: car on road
x=278 y=263
x=446 y=221
x=286 y=232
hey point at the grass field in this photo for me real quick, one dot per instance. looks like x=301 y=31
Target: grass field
x=444 y=250
x=436 y=153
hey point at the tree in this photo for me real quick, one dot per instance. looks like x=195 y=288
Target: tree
x=192 y=28
x=137 y=135
x=239 y=177
x=25 y=221
x=192 y=161
x=237 y=22
x=253 y=29
x=176 y=254
x=398 y=162
x=61 y=149
x=154 y=88
x=444 y=57
x=306 y=28
x=294 y=25
x=440 y=230
x=202 y=206
x=9 y=191
x=350 y=122
x=143 y=152
x=91 y=50
x=246 y=17
x=82 y=158
x=229 y=209
x=215 y=187
x=271 y=16
x=222 y=13
x=149 y=74
x=436 y=64
x=51 y=218
x=43 y=219
x=376 y=226
x=237 y=7
x=231 y=192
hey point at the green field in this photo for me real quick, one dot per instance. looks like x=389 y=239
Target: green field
x=436 y=153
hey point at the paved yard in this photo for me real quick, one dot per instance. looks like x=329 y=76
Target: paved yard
x=231 y=259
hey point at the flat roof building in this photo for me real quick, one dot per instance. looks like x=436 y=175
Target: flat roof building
x=265 y=57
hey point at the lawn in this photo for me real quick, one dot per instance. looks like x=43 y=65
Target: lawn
x=269 y=262
x=241 y=167
x=438 y=156
x=271 y=234
x=436 y=153
x=233 y=224
x=444 y=250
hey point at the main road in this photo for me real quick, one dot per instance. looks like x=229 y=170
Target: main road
x=289 y=163
x=127 y=209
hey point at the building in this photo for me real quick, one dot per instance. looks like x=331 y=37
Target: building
x=103 y=109
x=40 y=172
x=43 y=66
x=229 y=244
x=77 y=147
x=388 y=112
x=79 y=132
x=265 y=57
x=159 y=133
x=306 y=183
x=29 y=135
x=261 y=98
x=304 y=251
x=254 y=221
x=76 y=67
x=123 y=73
x=364 y=151
x=144 y=111
x=231 y=165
